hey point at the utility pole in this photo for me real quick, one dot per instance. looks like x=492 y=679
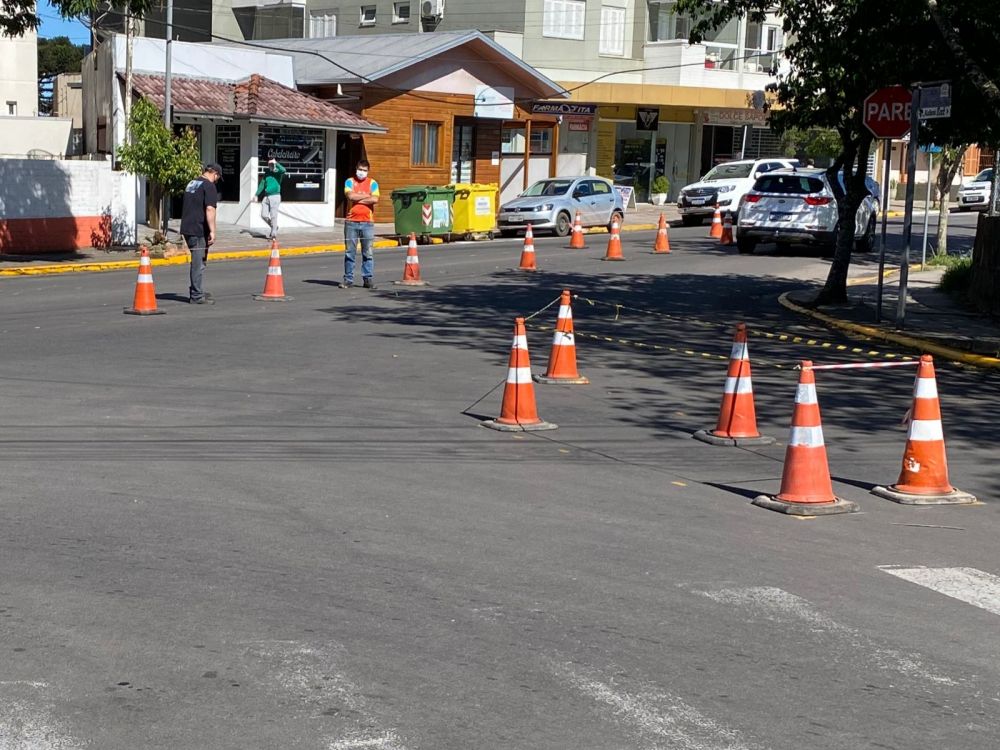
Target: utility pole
x=167 y=105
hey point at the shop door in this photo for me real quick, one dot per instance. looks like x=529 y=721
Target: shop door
x=462 y=150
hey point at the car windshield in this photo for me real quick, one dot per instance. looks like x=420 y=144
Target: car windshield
x=985 y=176
x=548 y=187
x=792 y=184
x=729 y=172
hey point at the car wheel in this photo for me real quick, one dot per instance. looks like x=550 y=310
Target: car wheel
x=563 y=225
x=867 y=242
x=745 y=246
x=616 y=216
x=691 y=221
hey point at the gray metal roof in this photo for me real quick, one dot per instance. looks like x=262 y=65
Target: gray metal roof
x=361 y=58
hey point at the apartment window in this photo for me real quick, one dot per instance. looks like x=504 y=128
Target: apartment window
x=666 y=24
x=424 y=141
x=367 y=15
x=322 y=25
x=563 y=19
x=401 y=12
x=12 y=109
x=612 y=31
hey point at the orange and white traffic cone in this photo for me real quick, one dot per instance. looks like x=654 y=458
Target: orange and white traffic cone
x=576 y=239
x=144 y=301
x=662 y=244
x=562 y=357
x=518 y=411
x=806 y=488
x=274 y=284
x=737 y=417
x=528 y=253
x=727 y=230
x=924 y=476
x=614 y=251
x=411 y=269
x=716 y=231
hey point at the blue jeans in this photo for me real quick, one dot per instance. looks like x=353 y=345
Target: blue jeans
x=365 y=232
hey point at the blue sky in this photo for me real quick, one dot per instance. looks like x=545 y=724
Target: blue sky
x=54 y=25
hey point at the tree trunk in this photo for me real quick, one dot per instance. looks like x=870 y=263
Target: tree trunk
x=834 y=291
x=154 y=205
x=984 y=289
x=951 y=160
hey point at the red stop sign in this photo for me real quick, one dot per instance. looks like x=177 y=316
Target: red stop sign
x=887 y=112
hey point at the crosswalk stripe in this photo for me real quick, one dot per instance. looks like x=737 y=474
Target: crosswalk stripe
x=965 y=584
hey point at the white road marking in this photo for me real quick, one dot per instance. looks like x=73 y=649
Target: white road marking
x=384 y=741
x=655 y=714
x=965 y=584
x=778 y=605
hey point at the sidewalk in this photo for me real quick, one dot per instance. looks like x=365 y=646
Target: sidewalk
x=933 y=322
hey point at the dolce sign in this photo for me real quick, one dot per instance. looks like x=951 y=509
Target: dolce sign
x=564 y=108
x=735 y=117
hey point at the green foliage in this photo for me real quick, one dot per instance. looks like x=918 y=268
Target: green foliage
x=958 y=274
x=168 y=161
x=59 y=55
x=661 y=184
x=20 y=16
x=821 y=144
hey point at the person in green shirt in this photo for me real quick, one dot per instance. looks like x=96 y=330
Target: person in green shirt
x=269 y=194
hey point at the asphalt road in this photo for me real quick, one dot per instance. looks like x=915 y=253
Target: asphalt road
x=279 y=525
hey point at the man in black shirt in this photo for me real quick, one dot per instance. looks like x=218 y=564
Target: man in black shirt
x=198 y=226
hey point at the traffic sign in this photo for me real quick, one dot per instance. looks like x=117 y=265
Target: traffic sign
x=887 y=112
x=935 y=101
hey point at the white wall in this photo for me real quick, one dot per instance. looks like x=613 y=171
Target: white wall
x=204 y=60
x=19 y=74
x=38 y=137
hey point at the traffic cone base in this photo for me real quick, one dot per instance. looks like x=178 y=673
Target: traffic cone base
x=923 y=478
x=707 y=436
x=144 y=301
x=495 y=424
x=411 y=269
x=546 y=380
x=272 y=298
x=806 y=487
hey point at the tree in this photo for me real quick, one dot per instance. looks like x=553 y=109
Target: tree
x=17 y=17
x=951 y=159
x=56 y=55
x=838 y=53
x=820 y=144
x=169 y=162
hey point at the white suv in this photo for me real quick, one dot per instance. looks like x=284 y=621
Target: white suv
x=724 y=185
x=791 y=207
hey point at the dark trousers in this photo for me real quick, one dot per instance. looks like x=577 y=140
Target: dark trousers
x=198 y=246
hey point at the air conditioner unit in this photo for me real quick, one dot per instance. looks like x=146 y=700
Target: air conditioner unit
x=431 y=8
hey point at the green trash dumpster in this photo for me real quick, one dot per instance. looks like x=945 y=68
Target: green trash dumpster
x=423 y=210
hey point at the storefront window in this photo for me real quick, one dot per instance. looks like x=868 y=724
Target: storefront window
x=512 y=141
x=301 y=152
x=227 y=154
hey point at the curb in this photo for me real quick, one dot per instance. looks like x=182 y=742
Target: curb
x=912 y=342
x=120 y=265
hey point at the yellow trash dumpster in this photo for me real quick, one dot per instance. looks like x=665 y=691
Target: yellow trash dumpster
x=475 y=211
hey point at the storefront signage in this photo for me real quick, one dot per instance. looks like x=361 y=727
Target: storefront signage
x=578 y=123
x=564 y=108
x=647 y=118
x=495 y=103
x=627 y=194
x=733 y=117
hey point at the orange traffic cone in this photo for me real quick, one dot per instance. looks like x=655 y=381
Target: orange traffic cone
x=576 y=239
x=528 y=253
x=562 y=357
x=737 y=417
x=662 y=244
x=924 y=477
x=716 y=231
x=274 y=284
x=144 y=302
x=411 y=269
x=614 y=251
x=518 y=411
x=806 y=488
x=727 y=230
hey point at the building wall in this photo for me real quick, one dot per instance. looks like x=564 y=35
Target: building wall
x=19 y=74
x=61 y=206
x=37 y=137
x=459 y=15
x=67 y=98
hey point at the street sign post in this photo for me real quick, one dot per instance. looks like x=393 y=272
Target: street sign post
x=935 y=100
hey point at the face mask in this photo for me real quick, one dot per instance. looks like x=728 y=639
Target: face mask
x=361 y=174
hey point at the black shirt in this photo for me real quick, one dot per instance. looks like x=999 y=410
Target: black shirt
x=198 y=195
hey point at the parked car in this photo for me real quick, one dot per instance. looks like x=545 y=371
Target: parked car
x=552 y=205
x=976 y=194
x=797 y=206
x=724 y=185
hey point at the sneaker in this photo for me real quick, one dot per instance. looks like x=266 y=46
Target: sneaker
x=206 y=300
x=345 y=284
x=369 y=284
